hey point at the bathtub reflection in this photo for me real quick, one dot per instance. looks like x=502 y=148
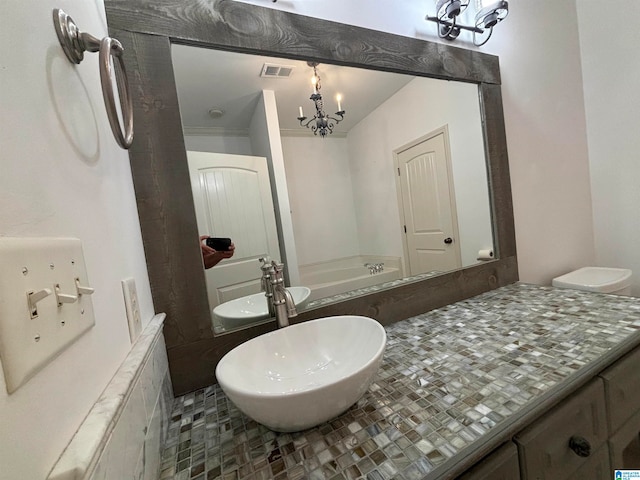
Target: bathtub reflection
x=335 y=277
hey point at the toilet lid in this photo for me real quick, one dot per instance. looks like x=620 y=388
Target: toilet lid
x=595 y=279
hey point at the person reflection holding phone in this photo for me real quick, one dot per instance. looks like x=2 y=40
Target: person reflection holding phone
x=212 y=257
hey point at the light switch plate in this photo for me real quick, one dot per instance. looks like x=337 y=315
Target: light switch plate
x=31 y=336
x=133 y=308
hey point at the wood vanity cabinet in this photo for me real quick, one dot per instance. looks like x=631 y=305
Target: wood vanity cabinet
x=624 y=445
x=566 y=438
x=622 y=392
x=501 y=464
x=587 y=436
x=597 y=467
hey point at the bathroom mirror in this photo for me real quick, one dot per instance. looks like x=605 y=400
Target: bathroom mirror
x=354 y=240
x=147 y=29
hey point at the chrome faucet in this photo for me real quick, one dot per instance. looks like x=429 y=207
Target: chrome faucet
x=279 y=299
x=265 y=283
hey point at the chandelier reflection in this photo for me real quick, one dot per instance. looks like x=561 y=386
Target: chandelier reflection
x=321 y=123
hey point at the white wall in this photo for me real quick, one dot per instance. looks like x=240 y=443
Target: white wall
x=320 y=191
x=264 y=135
x=236 y=145
x=63 y=175
x=611 y=69
x=544 y=113
x=421 y=107
x=546 y=135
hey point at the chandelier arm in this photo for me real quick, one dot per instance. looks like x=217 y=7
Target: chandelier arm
x=302 y=119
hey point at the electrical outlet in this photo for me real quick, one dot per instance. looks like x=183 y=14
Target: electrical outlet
x=133 y=308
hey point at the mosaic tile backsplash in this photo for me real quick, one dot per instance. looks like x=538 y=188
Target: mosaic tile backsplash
x=447 y=378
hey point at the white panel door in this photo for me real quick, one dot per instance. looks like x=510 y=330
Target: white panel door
x=428 y=206
x=232 y=197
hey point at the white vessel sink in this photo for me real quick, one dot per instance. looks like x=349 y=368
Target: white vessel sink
x=245 y=310
x=300 y=376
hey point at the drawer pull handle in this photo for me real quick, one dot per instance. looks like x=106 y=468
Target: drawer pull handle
x=580 y=446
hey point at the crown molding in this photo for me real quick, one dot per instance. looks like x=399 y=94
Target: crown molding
x=243 y=132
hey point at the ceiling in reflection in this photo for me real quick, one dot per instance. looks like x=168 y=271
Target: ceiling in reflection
x=196 y=69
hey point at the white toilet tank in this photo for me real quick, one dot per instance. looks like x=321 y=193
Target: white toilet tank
x=597 y=279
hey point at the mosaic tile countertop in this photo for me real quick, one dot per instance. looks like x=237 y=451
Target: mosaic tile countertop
x=447 y=379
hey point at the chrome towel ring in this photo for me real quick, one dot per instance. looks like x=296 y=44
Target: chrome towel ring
x=75 y=43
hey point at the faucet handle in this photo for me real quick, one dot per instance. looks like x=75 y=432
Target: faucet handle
x=267 y=266
x=266 y=260
x=278 y=266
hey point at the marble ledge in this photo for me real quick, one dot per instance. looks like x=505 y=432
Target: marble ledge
x=84 y=449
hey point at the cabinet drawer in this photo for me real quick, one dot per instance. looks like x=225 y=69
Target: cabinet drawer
x=501 y=464
x=622 y=389
x=544 y=447
x=596 y=468
x=624 y=446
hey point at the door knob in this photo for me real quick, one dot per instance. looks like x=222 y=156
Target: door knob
x=448 y=240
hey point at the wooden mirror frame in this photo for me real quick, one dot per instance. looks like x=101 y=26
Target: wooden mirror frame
x=146 y=28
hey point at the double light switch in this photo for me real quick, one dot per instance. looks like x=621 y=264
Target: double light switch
x=45 y=303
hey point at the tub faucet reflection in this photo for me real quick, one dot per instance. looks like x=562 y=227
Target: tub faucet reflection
x=279 y=299
x=374 y=267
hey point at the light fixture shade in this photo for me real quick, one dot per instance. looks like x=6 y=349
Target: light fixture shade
x=490 y=12
x=449 y=9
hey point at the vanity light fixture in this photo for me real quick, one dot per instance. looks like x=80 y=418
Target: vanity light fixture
x=488 y=14
x=321 y=123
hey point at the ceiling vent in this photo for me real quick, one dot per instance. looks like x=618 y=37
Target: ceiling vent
x=272 y=70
